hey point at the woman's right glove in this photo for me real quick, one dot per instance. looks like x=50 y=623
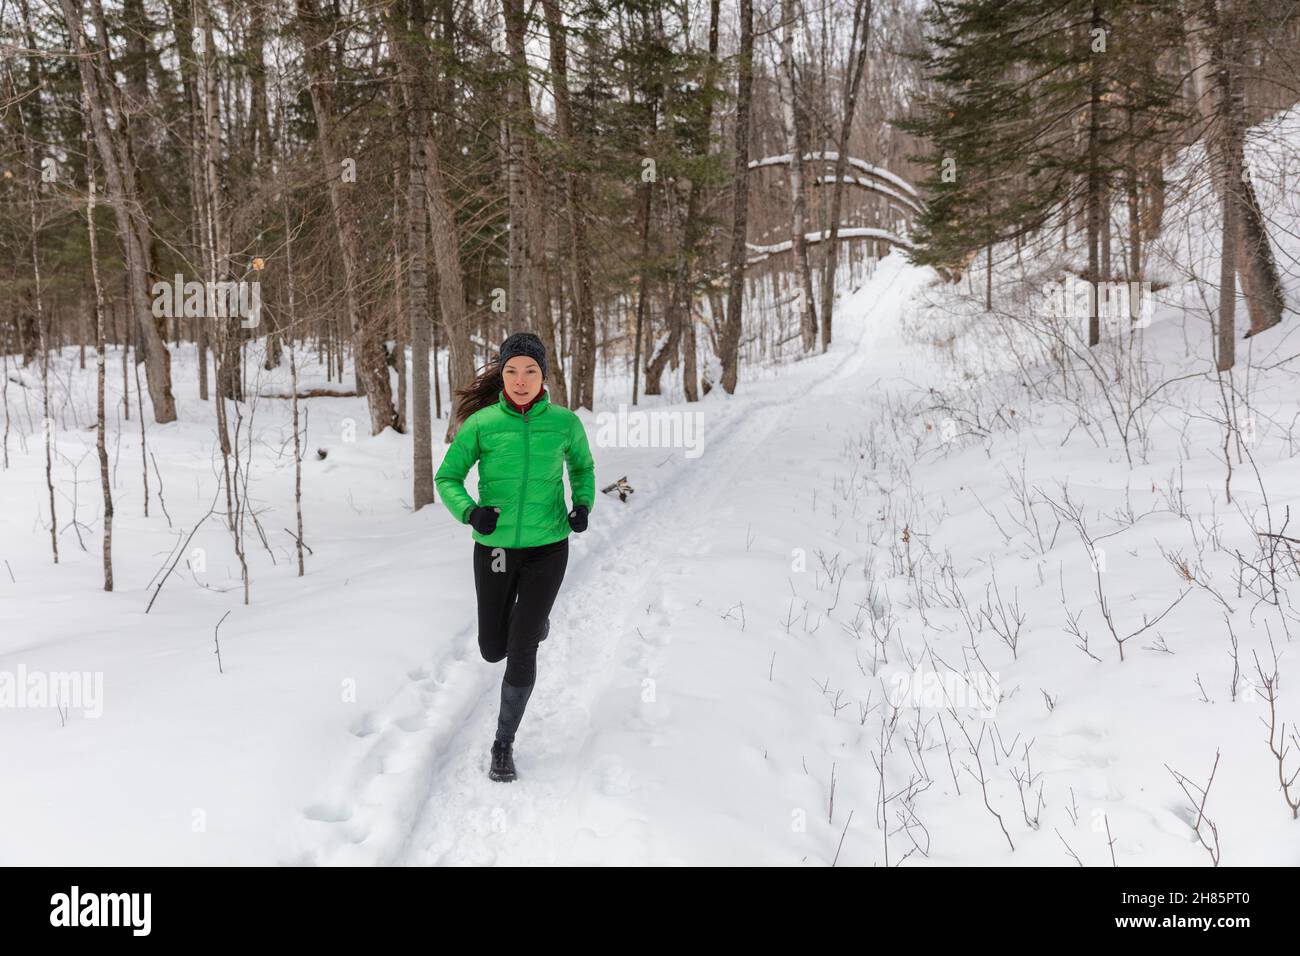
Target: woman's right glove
x=484 y=520
x=578 y=518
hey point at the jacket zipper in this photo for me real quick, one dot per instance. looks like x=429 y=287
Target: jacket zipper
x=523 y=487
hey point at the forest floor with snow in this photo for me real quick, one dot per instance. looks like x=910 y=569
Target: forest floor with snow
x=875 y=618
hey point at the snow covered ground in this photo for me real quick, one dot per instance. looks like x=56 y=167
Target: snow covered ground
x=727 y=673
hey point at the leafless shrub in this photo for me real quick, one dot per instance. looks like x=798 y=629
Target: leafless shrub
x=1004 y=617
x=1201 y=821
x=1071 y=512
x=1277 y=743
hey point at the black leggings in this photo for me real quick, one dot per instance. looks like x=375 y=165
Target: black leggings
x=516 y=590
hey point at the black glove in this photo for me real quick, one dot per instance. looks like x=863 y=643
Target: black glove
x=484 y=520
x=578 y=518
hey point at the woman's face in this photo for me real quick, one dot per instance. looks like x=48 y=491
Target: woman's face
x=523 y=379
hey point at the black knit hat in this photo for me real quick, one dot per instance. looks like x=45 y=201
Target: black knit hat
x=523 y=343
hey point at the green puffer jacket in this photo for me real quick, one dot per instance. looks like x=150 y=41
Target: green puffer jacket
x=521 y=462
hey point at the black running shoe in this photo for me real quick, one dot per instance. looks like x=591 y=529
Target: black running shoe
x=503 y=762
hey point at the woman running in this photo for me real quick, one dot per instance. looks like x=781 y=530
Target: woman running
x=521 y=525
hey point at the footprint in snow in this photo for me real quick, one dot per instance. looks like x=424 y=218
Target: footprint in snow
x=412 y=723
x=365 y=726
x=328 y=812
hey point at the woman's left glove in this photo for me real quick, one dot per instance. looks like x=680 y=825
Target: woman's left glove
x=484 y=520
x=578 y=518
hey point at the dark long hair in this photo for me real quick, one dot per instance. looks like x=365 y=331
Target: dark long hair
x=482 y=391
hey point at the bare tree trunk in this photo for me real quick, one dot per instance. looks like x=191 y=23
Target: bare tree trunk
x=82 y=332
x=1105 y=235
x=651 y=108
x=690 y=362
x=517 y=101
x=641 y=293
x=858 y=54
x=446 y=243
x=26 y=321
x=796 y=138
x=183 y=29
x=126 y=338
x=1227 y=342
x=1133 y=200
x=682 y=301
x=215 y=240
x=402 y=333
x=367 y=338
x=988 y=278
x=437 y=385
x=412 y=44
x=1221 y=108
x=127 y=209
x=1094 y=180
x=4 y=399
x=100 y=373
x=1153 y=202
x=729 y=340
x=216 y=258
x=558 y=48
x=261 y=122
x=584 y=325
x=1224 y=50
x=293 y=334
x=47 y=423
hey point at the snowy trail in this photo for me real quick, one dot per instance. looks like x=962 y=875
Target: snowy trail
x=421 y=794
x=719 y=678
